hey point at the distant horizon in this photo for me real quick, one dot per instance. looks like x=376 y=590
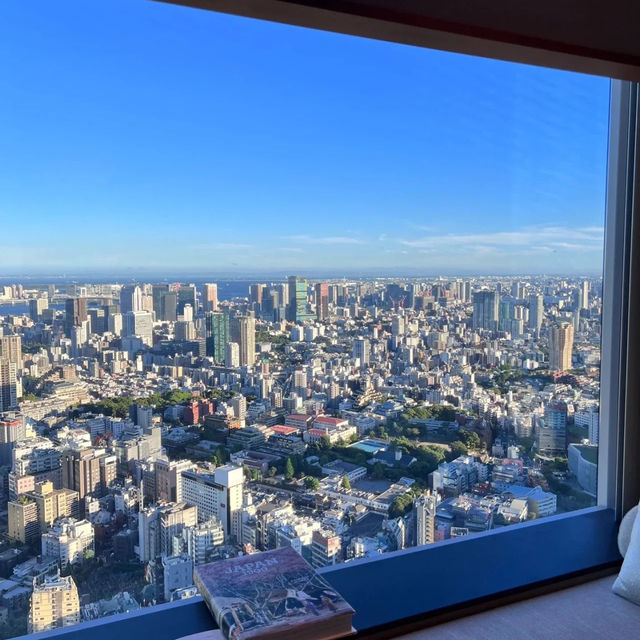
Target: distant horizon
x=177 y=276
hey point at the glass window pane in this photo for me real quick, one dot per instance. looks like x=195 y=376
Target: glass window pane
x=265 y=286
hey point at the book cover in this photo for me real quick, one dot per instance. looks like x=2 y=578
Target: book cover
x=274 y=592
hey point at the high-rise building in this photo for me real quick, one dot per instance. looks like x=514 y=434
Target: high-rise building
x=361 y=351
x=139 y=324
x=243 y=332
x=425 y=507
x=8 y=385
x=536 y=312
x=210 y=296
x=300 y=383
x=201 y=490
x=173 y=521
x=186 y=295
x=485 y=310
x=560 y=346
x=232 y=355
x=130 y=298
x=75 y=313
x=185 y=330
x=36 y=307
x=98 y=320
x=87 y=472
x=54 y=604
x=583 y=295
x=551 y=433
x=322 y=300
x=23 y=519
x=114 y=324
x=517 y=290
x=54 y=503
x=230 y=494
x=297 y=309
x=397 y=326
x=187 y=313
x=203 y=538
x=169 y=306
x=169 y=479
x=216 y=334
x=239 y=405
x=158 y=291
x=12 y=430
x=255 y=293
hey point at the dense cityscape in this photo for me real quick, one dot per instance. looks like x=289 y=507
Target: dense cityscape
x=146 y=428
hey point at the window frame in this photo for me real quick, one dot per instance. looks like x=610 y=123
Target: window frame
x=387 y=591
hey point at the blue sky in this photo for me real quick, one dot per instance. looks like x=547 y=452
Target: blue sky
x=136 y=134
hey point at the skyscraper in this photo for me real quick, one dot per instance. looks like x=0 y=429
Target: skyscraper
x=36 y=307
x=255 y=293
x=186 y=295
x=536 y=312
x=216 y=334
x=397 y=325
x=583 y=295
x=243 y=331
x=322 y=300
x=361 y=350
x=560 y=346
x=551 y=433
x=169 y=307
x=232 y=355
x=140 y=324
x=11 y=348
x=75 y=314
x=297 y=310
x=210 y=296
x=8 y=385
x=158 y=291
x=130 y=298
x=270 y=302
x=485 y=310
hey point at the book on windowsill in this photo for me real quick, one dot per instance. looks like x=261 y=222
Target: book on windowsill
x=271 y=595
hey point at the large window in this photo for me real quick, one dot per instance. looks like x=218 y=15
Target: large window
x=265 y=286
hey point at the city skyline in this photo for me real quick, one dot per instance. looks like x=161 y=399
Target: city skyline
x=286 y=149
x=148 y=429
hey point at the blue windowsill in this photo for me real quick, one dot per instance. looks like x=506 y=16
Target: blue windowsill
x=414 y=581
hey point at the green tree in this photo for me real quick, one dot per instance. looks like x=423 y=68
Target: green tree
x=222 y=454
x=272 y=471
x=288 y=469
x=470 y=438
x=346 y=483
x=378 y=471
x=311 y=483
x=457 y=449
x=401 y=505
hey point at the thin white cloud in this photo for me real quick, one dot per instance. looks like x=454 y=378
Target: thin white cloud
x=568 y=238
